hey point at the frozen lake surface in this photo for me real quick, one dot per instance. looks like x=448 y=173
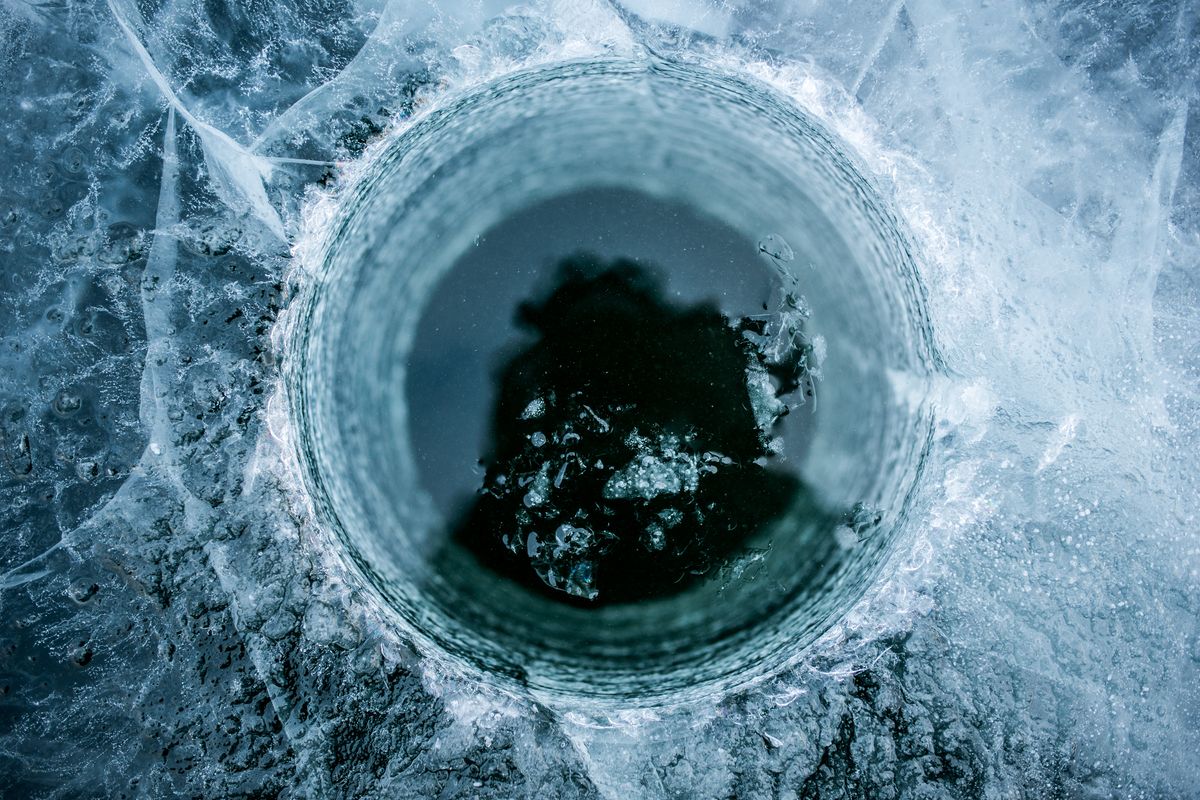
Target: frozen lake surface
x=220 y=224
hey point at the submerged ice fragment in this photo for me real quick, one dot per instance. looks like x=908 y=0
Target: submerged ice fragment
x=776 y=248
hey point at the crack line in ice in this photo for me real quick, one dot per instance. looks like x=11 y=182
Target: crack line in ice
x=11 y=580
x=389 y=19
x=160 y=271
x=885 y=32
x=1159 y=197
x=235 y=171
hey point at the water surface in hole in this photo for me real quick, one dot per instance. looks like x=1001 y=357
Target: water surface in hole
x=470 y=316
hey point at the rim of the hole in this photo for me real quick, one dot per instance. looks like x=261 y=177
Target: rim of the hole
x=312 y=471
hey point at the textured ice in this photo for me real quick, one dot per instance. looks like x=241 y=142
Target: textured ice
x=174 y=622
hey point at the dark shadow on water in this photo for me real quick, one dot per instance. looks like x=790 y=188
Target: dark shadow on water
x=632 y=438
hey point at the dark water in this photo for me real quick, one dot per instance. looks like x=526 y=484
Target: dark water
x=631 y=441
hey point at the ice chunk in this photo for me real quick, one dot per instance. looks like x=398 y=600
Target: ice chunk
x=651 y=475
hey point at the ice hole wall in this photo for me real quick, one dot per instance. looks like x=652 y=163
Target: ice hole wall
x=722 y=147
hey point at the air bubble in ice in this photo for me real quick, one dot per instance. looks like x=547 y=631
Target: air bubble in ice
x=73 y=160
x=83 y=591
x=67 y=403
x=650 y=475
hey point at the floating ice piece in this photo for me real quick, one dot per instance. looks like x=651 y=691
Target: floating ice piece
x=571 y=539
x=604 y=427
x=539 y=492
x=671 y=517
x=766 y=406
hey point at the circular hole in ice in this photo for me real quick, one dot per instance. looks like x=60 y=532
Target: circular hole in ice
x=700 y=157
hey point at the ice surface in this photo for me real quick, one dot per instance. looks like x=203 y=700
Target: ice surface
x=174 y=619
